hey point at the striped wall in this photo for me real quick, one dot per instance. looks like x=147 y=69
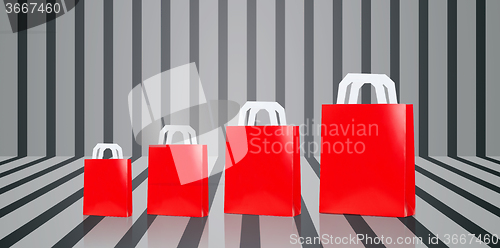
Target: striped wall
x=65 y=83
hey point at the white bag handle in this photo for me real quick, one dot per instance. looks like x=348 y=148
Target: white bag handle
x=98 y=152
x=187 y=132
x=254 y=107
x=356 y=80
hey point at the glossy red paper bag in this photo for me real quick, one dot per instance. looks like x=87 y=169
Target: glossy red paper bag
x=178 y=176
x=367 y=155
x=107 y=187
x=262 y=175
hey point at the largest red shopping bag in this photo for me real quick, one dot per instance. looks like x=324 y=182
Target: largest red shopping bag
x=178 y=175
x=262 y=175
x=107 y=183
x=367 y=153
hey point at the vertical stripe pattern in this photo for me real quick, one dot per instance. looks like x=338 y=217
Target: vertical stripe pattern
x=37 y=113
x=466 y=75
x=394 y=44
x=266 y=51
x=409 y=62
x=481 y=78
x=491 y=86
x=237 y=53
x=280 y=52
x=437 y=78
x=194 y=56
x=308 y=73
x=94 y=74
x=51 y=84
x=423 y=86
x=122 y=74
x=165 y=60
x=337 y=47
x=263 y=53
x=10 y=70
x=294 y=65
x=366 y=51
x=136 y=70
x=324 y=57
x=80 y=79
x=351 y=38
x=223 y=58
x=452 y=78
x=251 y=50
x=22 y=85
x=65 y=86
x=108 y=72
x=381 y=59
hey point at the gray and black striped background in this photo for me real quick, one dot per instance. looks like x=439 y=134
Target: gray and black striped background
x=65 y=85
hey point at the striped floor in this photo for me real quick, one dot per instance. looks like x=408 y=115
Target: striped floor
x=41 y=206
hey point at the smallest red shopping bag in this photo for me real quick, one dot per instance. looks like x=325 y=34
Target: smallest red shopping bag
x=178 y=175
x=107 y=189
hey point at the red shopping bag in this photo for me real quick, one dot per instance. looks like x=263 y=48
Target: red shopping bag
x=107 y=189
x=178 y=175
x=367 y=153
x=262 y=175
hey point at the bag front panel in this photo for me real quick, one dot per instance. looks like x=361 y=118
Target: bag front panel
x=363 y=159
x=177 y=180
x=260 y=168
x=107 y=187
